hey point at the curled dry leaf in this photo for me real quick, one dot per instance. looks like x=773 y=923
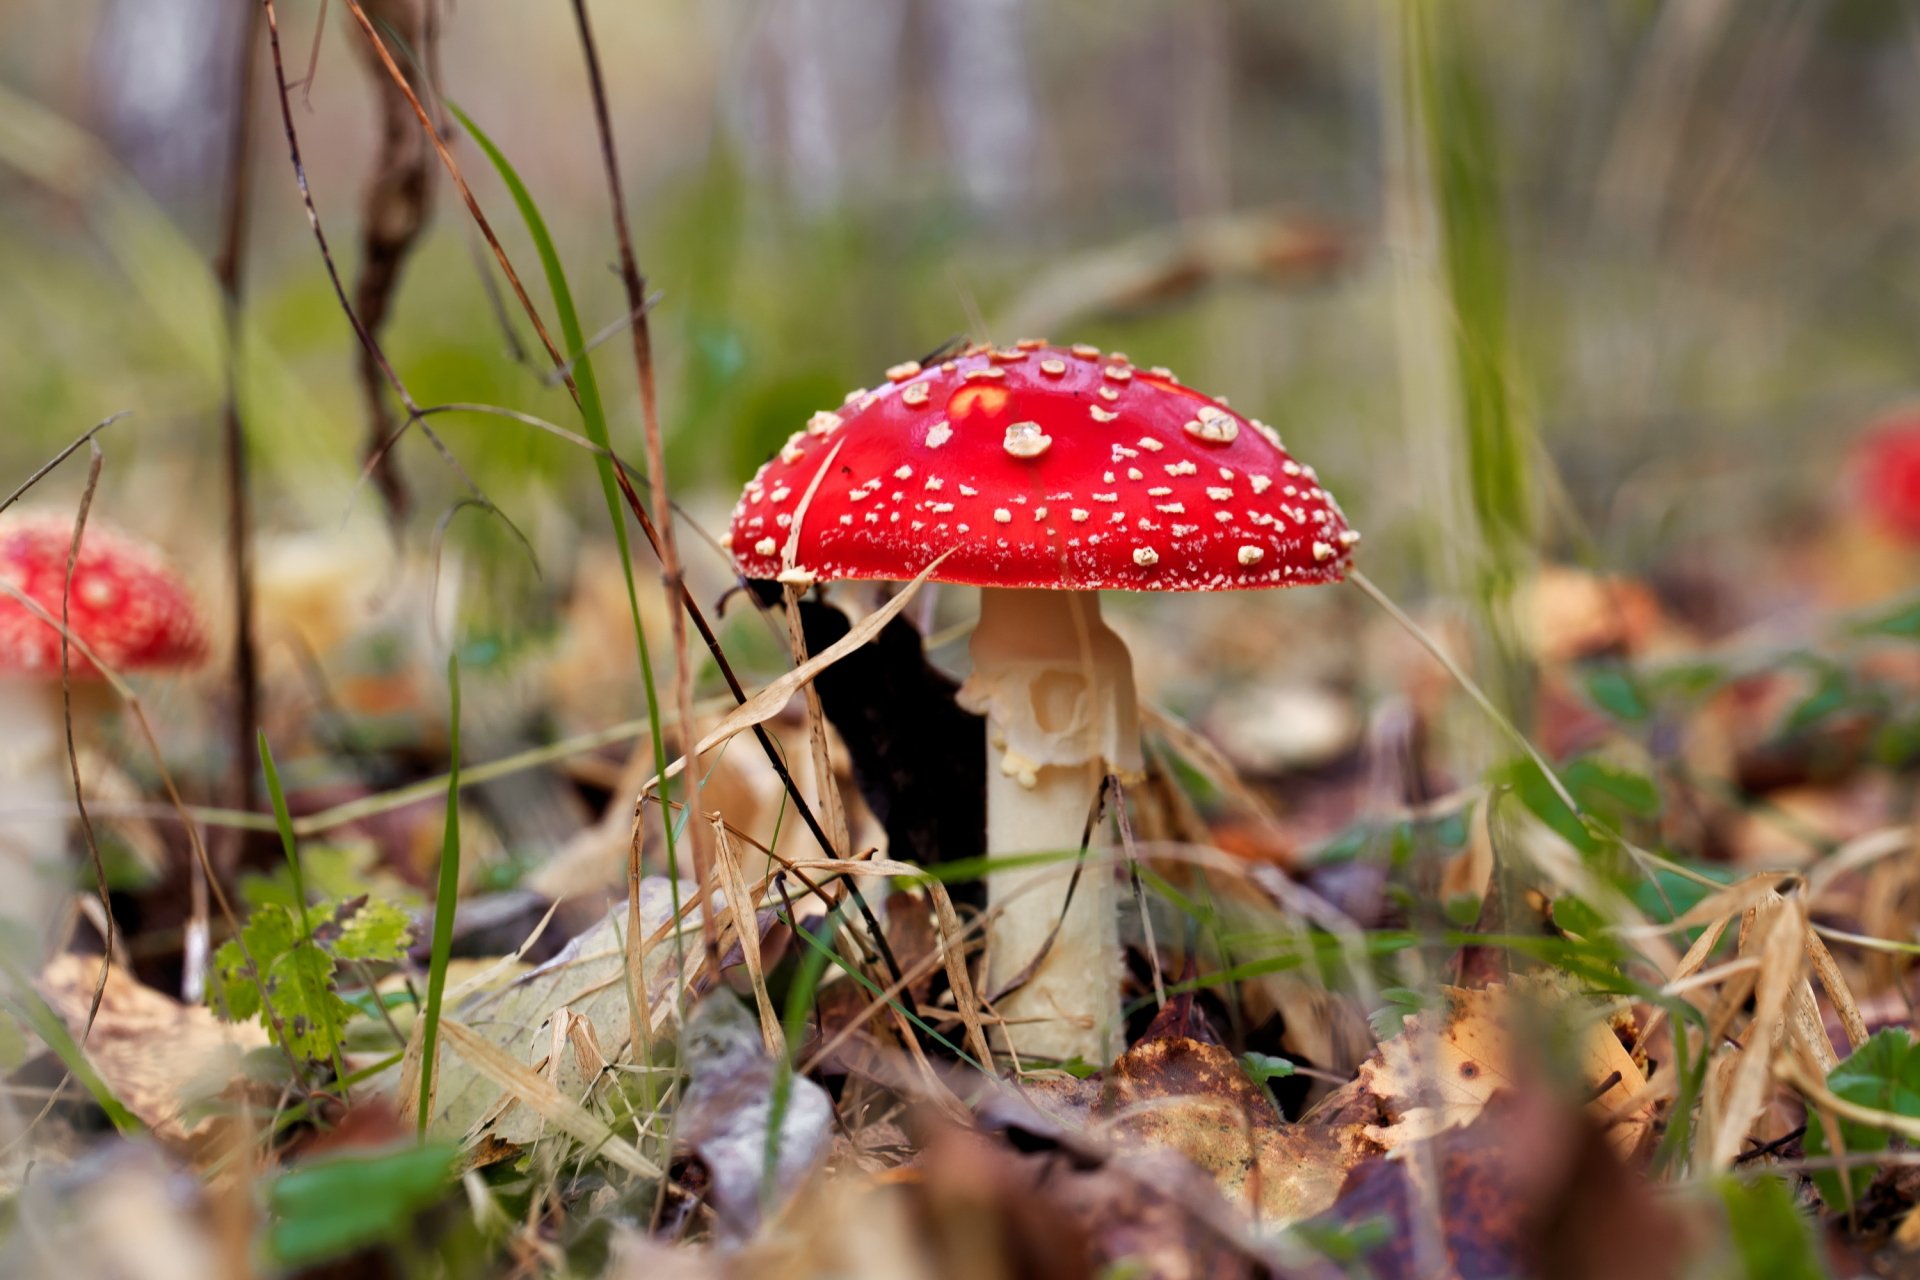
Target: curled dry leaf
x=1442 y=1070
x=1179 y=1090
x=727 y=1116
x=158 y=1055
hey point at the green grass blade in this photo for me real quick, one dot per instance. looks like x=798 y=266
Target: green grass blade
x=26 y=1004
x=444 y=905
x=593 y=415
x=284 y=821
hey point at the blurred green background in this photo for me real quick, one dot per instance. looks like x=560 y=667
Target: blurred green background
x=1676 y=240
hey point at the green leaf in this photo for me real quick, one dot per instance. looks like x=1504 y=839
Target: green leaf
x=369 y=930
x=326 y=1208
x=1832 y=692
x=1883 y=1073
x=1903 y=622
x=1264 y=1067
x=1615 y=691
x=445 y=904
x=1770 y=1236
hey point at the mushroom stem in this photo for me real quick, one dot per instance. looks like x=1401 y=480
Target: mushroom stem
x=1057 y=687
x=35 y=797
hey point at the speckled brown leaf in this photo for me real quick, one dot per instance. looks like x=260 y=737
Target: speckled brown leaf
x=1436 y=1077
x=157 y=1054
x=1177 y=1090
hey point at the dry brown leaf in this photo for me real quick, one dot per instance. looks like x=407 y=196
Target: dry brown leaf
x=158 y=1055
x=1431 y=1078
x=1177 y=1090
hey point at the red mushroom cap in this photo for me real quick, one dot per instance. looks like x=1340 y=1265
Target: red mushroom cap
x=127 y=605
x=1888 y=467
x=1041 y=466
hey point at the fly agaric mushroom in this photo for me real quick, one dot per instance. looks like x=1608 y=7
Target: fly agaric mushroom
x=1887 y=462
x=1045 y=475
x=126 y=606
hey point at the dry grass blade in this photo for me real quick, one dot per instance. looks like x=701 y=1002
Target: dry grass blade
x=740 y=905
x=538 y=1094
x=766 y=704
x=1779 y=926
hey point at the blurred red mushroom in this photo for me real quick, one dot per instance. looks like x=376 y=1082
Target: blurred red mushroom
x=1887 y=475
x=128 y=609
x=1045 y=475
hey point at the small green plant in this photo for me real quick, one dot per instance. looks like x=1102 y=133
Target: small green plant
x=1883 y=1073
x=282 y=967
x=298 y=972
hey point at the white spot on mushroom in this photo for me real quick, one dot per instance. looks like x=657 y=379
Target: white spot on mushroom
x=1026 y=440
x=1114 y=373
x=853 y=395
x=765 y=547
x=1171 y=508
x=784 y=519
x=1039 y=513
x=1107 y=476
x=1053 y=368
x=1219 y=494
x=798 y=577
x=781 y=493
x=1086 y=352
x=916 y=394
x=1321 y=551
x=940 y=508
x=1109 y=394
x=1291 y=467
x=1030 y=344
x=1260 y=483
x=1002 y=515
x=1146 y=557
x=939 y=435
x=846 y=519
x=992 y=373
x=1182 y=530
x=1078 y=515
x=1181 y=468
x=1101 y=415
x=901 y=372
x=934 y=483
x=1159 y=491
x=1150 y=444
x=1133 y=473
x=1213 y=425
x=824 y=421
x=968 y=491
x=1224 y=517
x=1106 y=497
x=1252 y=555
x=1348 y=537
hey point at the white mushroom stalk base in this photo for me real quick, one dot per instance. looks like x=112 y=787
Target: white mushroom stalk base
x=36 y=800
x=1057 y=689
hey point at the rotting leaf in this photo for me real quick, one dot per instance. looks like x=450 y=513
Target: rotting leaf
x=727 y=1112
x=1178 y=1090
x=1432 y=1077
x=158 y=1055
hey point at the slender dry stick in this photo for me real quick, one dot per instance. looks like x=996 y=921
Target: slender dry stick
x=647 y=524
x=668 y=549
x=46 y=468
x=228 y=273
x=94 y=461
x=333 y=272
